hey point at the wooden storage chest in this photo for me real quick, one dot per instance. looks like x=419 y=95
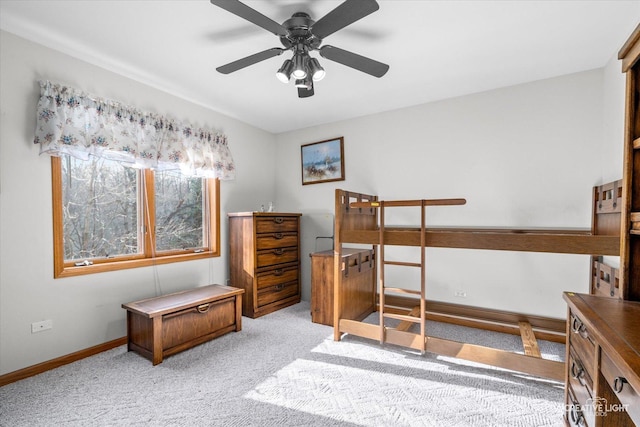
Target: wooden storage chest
x=161 y=326
x=358 y=284
x=264 y=259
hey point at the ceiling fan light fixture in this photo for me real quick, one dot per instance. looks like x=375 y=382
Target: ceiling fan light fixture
x=301 y=35
x=304 y=83
x=299 y=69
x=284 y=73
x=316 y=70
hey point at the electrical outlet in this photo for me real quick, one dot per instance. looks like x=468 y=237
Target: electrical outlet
x=461 y=294
x=41 y=326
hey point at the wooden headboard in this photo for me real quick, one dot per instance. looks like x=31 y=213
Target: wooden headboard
x=348 y=218
x=607 y=209
x=606 y=218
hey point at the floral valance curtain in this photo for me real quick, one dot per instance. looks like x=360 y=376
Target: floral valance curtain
x=72 y=122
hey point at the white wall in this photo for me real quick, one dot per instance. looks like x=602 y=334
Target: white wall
x=522 y=156
x=86 y=310
x=612 y=149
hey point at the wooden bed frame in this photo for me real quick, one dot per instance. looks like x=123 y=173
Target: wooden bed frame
x=605 y=279
x=357 y=223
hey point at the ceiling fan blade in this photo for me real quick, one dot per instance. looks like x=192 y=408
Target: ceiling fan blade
x=353 y=60
x=345 y=14
x=304 y=92
x=251 y=15
x=250 y=60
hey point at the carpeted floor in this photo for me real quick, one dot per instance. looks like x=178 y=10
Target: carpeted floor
x=284 y=370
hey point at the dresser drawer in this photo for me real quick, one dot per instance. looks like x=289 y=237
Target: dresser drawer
x=580 y=380
x=582 y=343
x=272 y=224
x=276 y=240
x=270 y=257
x=628 y=396
x=577 y=413
x=277 y=276
x=276 y=293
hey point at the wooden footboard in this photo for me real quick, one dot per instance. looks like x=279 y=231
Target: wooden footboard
x=605 y=279
x=348 y=218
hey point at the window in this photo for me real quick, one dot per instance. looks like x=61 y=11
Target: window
x=110 y=217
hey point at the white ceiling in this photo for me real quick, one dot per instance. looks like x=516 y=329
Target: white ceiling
x=435 y=49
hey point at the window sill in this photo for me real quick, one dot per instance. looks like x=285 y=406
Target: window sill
x=101 y=267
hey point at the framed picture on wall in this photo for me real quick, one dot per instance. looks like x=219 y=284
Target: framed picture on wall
x=323 y=161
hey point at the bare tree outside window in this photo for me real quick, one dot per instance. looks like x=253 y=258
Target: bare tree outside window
x=179 y=212
x=100 y=209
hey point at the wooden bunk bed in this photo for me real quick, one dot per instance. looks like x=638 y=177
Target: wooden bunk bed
x=359 y=220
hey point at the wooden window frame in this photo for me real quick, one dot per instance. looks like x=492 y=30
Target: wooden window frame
x=148 y=257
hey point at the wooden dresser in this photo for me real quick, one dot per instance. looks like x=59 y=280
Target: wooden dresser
x=358 y=284
x=264 y=260
x=603 y=361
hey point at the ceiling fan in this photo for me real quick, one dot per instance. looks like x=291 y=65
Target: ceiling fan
x=301 y=35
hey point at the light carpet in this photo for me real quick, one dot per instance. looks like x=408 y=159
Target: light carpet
x=284 y=370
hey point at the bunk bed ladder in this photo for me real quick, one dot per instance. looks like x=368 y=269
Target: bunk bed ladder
x=417 y=314
x=413 y=317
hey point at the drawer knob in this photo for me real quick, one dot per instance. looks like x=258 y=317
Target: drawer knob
x=576 y=324
x=577 y=372
x=203 y=308
x=278 y=236
x=278 y=272
x=278 y=220
x=576 y=415
x=618 y=384
x=278 y=251
x=578 y=327
x=280 y=286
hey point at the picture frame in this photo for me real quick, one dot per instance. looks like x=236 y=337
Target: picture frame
x=322 y=161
